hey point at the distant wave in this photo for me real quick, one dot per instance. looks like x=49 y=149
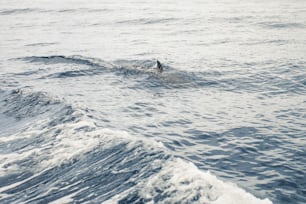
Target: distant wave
x=54 y=59
x=55 y=152
x=68 y=10
x=40 y=44
x=282 y=25
x=16 y=11
x=147 y=21
x=271 y=42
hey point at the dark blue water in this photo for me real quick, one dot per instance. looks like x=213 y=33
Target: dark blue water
x=86 y=116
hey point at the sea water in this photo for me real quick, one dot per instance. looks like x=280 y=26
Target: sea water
x=85 y=116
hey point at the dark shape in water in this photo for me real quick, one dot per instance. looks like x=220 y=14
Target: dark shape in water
x=159 y=66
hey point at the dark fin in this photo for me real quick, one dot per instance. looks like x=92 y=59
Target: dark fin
x=159 y=66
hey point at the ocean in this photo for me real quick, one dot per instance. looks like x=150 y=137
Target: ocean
x=87 y=117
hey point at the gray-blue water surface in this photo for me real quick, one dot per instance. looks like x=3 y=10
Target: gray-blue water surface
x=85 y=116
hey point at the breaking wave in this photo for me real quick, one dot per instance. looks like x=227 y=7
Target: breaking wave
x=55 y=152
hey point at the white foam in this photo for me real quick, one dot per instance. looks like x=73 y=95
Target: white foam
x=178 y=181
x=65 y=199
x=63 y=142
x=182 y=182
x=3 y=196
x=185 y=182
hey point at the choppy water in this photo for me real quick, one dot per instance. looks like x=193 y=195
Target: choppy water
x=85 y=117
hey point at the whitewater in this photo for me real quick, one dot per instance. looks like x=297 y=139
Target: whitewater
x=86 y=116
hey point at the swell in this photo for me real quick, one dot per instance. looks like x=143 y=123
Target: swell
x=143 y=71
x=270 y=76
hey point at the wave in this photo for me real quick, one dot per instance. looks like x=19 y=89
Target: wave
x=55 y=59
x=55 y=152
x=60 y=144
x=41 y=44
x=147 y=75
x=17 y=11
x=182 y=182
x=20 y=104
x=282 y=25
x=268 y=42
x=279 y=79
x=148 y=21
x=96 y=66
x=36 y=10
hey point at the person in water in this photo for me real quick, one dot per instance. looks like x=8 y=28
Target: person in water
x=159 y=66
